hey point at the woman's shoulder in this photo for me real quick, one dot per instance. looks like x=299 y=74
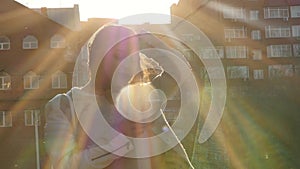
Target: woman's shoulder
x=55 y=101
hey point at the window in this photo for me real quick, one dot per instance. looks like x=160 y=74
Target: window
x=32 y=117
x=59 y=80
x=296 y=50
x=295 y=11
x=237 y=32
x=279 y=50
x=30 y=42
x=258 y=74
x=5 y=81
x=220 y=51
x=256 y=54
x=5 y=119
x=254 y=15
x=58 y=41
x=277 y=31
x=276 y=12
x=31 y=81
x=216 y=72
x=296 y=30
x=234 y=13
x=4 y=43
x=236 y=52
x=212 y=52
x=255 y=35
x=238 y=72
x=277 y=71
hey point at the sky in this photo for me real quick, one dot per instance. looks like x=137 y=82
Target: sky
x=117 y=9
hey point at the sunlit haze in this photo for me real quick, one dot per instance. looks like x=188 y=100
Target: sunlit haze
x=117 y=9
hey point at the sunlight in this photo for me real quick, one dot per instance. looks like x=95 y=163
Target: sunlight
x=106 y=8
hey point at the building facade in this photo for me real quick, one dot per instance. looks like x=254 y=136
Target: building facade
x=255 y=40
x=36 y=62
x=258 y=44
x=38 y=51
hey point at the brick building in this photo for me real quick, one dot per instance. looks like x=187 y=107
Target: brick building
x=258 y=44
x=36 y=62
x=257 y=41
x=38 y=50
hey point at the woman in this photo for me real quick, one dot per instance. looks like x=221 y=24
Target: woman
x=88 y=143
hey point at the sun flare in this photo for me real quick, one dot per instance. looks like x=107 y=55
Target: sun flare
x=106 y=8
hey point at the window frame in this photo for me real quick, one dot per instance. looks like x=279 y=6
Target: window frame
x=235 y=32
x=296 y=50
x=5 y=81
x=217 y=72
x=30 y=116
x=212 y=52
x=61 y=79
x=258 y=74
x=295 y=30
x=284 y=70
x=254 y=15
x=295 y=11
x=276 y=12
x=256 y=54
x=236 y=52
x=57 y=41
x=256 y=35
x=235 y=13
x=3 y=119
x=273 y=52
x=277 y=31
x=232 y=74
x=31 y=79
x=30 y=42
x=4 y=41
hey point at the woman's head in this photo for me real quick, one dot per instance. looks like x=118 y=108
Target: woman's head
x=108 y=47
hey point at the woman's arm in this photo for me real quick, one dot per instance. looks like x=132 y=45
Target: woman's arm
x=61 y=144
